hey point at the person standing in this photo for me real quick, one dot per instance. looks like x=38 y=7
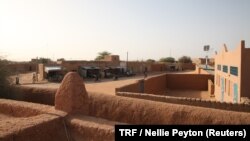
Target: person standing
x=145 y=72
x=17 y=80
x=34 y=78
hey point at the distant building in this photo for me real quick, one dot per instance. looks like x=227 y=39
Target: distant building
x=112 y=58
x=202 y=61
x=203 y=69
x=232 y=74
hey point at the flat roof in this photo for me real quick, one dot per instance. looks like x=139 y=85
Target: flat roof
x=52 y=68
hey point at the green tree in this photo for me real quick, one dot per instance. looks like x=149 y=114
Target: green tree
x=167 y=60
x=101 y=55
x=61 y=59
x=185 y=59
x=150 y=60
x=4 y=75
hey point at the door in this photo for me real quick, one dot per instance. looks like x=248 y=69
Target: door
x=222 y=89
x=235 y=98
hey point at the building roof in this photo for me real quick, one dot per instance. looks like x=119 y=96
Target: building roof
x=89 y=67
x=52 y=68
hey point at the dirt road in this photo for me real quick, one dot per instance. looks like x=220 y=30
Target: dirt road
x=105 y=86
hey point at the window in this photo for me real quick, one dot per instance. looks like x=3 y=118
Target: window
x=218 y=67
x=234 y=70
x=225 y=69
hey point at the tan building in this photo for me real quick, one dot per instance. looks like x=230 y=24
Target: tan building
x=111 y=58
x=232 y=77
x=202 y=61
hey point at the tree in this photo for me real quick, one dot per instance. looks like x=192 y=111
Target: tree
x=101 y=55
x=61 y=59
x=150 y=61
x=6 y=89
x=185 y=59
x=167 y=60
x=4 y=75
x=41 y=60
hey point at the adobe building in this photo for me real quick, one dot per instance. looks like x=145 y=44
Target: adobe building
x=73 y=65
x=108 y=61
x=111 y=58
x=232 y=77
x=202 y=61
x=22 y=67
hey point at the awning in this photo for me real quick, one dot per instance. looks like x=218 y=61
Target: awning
x=53 y=68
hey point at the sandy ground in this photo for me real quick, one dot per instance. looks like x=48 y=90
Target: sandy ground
x=189 y=93
x=105 y=86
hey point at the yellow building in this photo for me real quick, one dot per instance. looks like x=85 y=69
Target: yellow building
x=232 y=74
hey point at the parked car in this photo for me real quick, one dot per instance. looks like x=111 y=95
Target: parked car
x=54 y=73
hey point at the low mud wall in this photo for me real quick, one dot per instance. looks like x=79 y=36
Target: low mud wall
x=134 y=87
x=90 y=129
x=156 y=84
x=35 y=95
x=18 y=111
x=52 y=130
x=138 y=111
x=28 y=121
x=188 y=81
x=189 y=101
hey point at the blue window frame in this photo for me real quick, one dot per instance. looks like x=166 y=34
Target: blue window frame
x=218 y=67
x=225 y=68
x=234 y=70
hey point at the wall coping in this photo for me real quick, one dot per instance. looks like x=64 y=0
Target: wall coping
x=242 y=107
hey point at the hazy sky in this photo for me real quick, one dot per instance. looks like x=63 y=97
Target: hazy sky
x=79 y=29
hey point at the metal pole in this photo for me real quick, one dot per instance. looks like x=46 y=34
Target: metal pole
x=127 y=63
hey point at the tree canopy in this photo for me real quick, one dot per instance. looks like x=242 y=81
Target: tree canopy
x=167 y=60
x=150 y=60
x=42 y=60
x=101 y=55
x=4 y=78
x=185 y=59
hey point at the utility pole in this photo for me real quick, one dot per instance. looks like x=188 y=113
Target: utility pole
x=127 y=63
